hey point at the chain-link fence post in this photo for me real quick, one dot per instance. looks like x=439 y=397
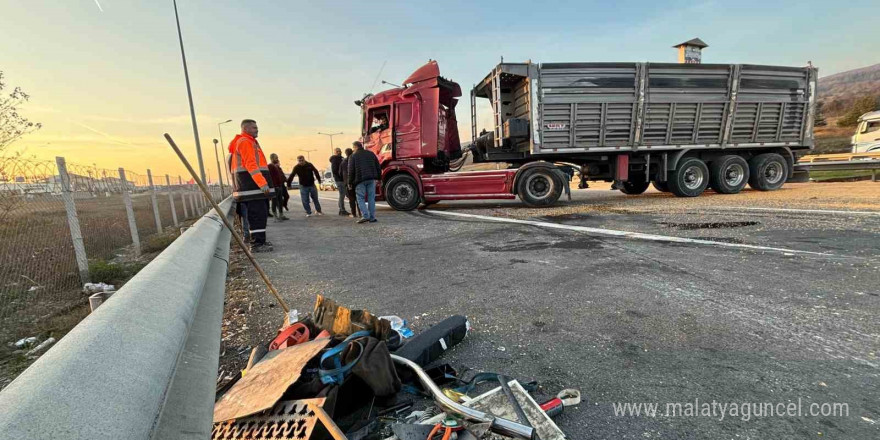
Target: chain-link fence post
x=82 y=261
x=171 y=199
x=129 y=210
x=155 y=202
x=183 y=198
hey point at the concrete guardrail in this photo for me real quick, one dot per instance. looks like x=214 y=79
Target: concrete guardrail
x=144 y=364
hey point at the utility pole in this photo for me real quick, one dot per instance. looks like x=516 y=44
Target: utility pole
x=192 y=109
x=330 y=135
x=219 y=170
x=226 y=169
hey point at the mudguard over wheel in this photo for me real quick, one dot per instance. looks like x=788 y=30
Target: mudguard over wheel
x=690 y=178
x=728 y=174
x=538 y=186
x=769 y=171
x=402 y=192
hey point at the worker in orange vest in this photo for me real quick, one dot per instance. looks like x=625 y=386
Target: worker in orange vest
x=252 y=179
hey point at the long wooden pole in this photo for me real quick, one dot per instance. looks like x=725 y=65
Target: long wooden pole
x=235 y=235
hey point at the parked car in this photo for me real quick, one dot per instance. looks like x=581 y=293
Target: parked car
x=867 y=136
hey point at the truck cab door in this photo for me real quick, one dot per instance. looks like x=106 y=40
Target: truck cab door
x=379 y=139
x=406 y=130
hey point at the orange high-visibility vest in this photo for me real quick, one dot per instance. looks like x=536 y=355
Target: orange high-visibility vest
x=250 y=168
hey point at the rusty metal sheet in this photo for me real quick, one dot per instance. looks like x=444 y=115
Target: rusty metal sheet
x=290 y=419
x=264 y=384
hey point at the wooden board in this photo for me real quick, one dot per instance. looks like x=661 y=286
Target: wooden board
x=264 y=384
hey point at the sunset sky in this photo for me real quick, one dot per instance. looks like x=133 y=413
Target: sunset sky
x=106 y=78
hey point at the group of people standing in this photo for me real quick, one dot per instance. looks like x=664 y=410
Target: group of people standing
x=260 y=187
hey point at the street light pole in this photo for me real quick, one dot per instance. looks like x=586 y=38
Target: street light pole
x=192 y=109
x=219 y=172
x=331 y=140
x=229 y=182
x=308 y=156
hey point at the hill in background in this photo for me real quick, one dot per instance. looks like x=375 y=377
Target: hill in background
x=838 y=92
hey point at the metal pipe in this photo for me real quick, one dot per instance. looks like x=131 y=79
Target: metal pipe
x=498 y=425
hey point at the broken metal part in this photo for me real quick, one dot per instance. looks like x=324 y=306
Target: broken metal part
x=498 y=425
x=287 y=419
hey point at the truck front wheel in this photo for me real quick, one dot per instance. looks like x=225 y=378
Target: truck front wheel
x=634 y=186
x=402 y=193
x=539 y=187
x=690 y=178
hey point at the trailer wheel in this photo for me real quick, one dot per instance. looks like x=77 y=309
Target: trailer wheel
x=402 y=193
x=728 y=174
x=690 y=179
x=634 y=187
x=768 y=172
x=661 y=186
x=539 y=187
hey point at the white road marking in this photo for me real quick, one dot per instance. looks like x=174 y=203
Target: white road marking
x=627 y=234
x=805 y=211
x=620 y=234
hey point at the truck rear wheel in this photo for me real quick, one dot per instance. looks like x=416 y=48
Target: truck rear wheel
x=690 y=178
x=768 y=172
x=661 y=186
x=634 y=186
x=539 y=187
x=728 y=174
x=402 y=193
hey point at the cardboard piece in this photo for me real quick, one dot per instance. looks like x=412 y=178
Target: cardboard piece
x=340 y=320
x=267 y=381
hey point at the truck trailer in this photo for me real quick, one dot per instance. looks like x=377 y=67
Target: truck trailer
x=682 y=127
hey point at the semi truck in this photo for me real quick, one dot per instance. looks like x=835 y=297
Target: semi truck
x=681 y=127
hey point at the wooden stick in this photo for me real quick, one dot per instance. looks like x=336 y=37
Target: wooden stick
x=235 y=235
x=334 y=430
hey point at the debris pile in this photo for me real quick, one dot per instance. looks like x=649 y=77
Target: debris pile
x=340 y=373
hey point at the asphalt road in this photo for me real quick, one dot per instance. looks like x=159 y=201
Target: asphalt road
x=624 y=319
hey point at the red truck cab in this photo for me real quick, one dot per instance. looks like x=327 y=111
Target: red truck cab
x=413 y=131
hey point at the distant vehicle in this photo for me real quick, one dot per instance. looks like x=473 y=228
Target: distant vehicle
x=867 y=137
x=294 y=184
x=327 y=182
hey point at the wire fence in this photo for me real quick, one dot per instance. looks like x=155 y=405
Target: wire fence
x=62 y=222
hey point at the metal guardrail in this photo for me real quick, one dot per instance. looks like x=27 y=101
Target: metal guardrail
x=837 y=162
x=143 y=365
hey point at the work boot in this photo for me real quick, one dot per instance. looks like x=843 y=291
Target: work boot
x=343 y=212
x=258 y=248
x=270 y=215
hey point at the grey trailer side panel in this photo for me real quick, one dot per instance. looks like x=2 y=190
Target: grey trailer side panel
x=602 y=107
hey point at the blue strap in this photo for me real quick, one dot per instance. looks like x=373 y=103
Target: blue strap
x=336 y=375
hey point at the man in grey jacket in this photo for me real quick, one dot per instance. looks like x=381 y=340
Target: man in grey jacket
x=363 y=172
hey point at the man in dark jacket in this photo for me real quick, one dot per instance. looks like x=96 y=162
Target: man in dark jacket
x=306 y=173
x=363 y=172
x=277 y=175
x=335 y=162
x=349 y=191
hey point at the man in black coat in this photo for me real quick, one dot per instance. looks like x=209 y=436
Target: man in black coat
x=352 y=198
x=335 y=163
x=363 y=172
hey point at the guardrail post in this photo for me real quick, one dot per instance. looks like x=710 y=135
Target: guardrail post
x=79 y=249
x=171 y=199
x=129 y=211
x=873 y=175
x=155 y=202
